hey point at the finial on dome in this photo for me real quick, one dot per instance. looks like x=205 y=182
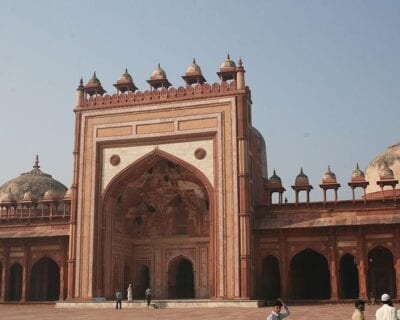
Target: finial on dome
x=36 y=166
x=227 y=56
x=194 y=61
x=240 y=62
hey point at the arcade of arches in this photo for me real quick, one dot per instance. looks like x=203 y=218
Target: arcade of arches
x=314 y=275
x=159 y=211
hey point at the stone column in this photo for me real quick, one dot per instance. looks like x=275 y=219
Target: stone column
x=334 y=271
x=397 y=260
x=362 y=280
x=25 y=274
x=4 y=273
x=283 y=266
x=243 y=124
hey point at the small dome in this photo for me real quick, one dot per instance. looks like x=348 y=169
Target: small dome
x=386 y=172
x=275 y=180
x=193 y=69
x=329 y=176
x=357 y=175
x=8 y=197
x=94 y=86
x=28 y=196
x=125 y=78
x=378 y=168
x=301 y=179
x=228 y=64
x=125 y=83
x=158 y=73
x=68 y=194
x=51 y=195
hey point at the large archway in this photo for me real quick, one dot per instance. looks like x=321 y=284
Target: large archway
x=309 y=276
x=156 y=206
x=270 y=279
x=15 y=283
x=348 y=277
x=180 y=279
x=381 y=273
x=44 y=280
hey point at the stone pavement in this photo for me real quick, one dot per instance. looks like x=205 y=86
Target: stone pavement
x=48 y=311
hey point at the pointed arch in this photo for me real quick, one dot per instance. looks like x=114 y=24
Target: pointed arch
x=44 y=284
x=181 y=282
x=150 y=159
x=381 y=272
x=309 y=276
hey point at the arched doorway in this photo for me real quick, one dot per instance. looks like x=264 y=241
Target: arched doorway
x=381 y=273
x=158 y=204
x=143 y=281
x=15 y=283
x=180 y=279
x=271 y=278
x=309 y=276
x=348 y=277
x=44 y=280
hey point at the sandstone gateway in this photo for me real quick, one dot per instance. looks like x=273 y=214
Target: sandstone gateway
x=170 y=190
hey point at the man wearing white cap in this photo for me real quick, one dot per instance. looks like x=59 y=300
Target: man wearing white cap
x=387 y=311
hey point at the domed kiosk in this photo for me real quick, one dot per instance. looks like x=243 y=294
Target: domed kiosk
x=383 y=174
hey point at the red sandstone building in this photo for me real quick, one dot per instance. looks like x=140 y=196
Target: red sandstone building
x=170 y=190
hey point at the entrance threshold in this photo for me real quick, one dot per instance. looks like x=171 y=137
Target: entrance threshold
x=161 y=304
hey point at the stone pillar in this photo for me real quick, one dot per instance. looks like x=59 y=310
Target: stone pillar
x=397 y=261
x=4 y=273
x=62 y=280
x=243 y=124
x=25 y=274
x=74 y=208
x=283 y=266
x=334 y=269
x=362 y=279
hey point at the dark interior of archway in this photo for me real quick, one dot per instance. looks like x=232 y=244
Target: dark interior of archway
x=44 y=281
x=309 y=276
x=143 y=281
x=271 y=279
x=15 y=283
x=348 y=275
x=381 y=273
x=181 y=279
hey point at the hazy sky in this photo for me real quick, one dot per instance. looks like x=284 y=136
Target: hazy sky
x=324 y=75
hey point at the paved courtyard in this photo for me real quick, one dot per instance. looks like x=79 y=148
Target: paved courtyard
x=326 y=312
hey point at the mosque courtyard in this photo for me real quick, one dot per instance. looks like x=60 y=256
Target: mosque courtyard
x=48 y=311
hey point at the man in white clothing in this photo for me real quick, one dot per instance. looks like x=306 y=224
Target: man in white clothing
x=387 y=311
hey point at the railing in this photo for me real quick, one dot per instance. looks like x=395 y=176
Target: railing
x=54 y=212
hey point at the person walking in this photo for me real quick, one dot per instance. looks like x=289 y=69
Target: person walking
x=129 y=293
x=359 y=312
x=276 y=313
x=387 y=311
x=118 y=296
x=147 y=293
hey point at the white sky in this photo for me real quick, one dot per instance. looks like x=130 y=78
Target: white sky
x=324 y=75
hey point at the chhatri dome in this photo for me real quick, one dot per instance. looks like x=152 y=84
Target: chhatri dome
x=32 y=185
x=386 y=165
